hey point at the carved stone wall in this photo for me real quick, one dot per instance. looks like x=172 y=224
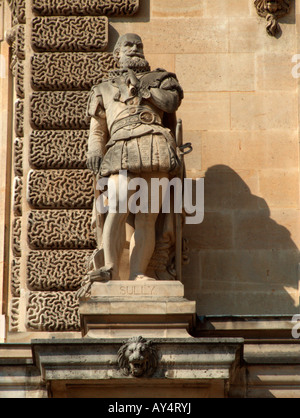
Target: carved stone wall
x=69 y=34
x=52 y=237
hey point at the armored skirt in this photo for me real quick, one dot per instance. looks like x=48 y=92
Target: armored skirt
x=148 y=153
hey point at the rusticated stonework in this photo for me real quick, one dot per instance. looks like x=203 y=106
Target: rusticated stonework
x=56 y=270
x=60 y=189
x=69 y=71
x=19 y=118
x=15 y=37
x=14 y=314
x=20 y=42
x=85 y=7
x=66 y=53
x=17 y=194
x=18 y=157
x=16 y=237
x=60 y=229
x=69 y=34
x=19 y=79
x=18 y=10
x=53 y=311
x=59 y=110
x=15 y=286
x=58 y=149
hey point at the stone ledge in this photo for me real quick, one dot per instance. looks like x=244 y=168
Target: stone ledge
x=246 y=326
x=96 y=359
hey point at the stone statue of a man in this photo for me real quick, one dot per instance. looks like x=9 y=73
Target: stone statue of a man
x=132 y=130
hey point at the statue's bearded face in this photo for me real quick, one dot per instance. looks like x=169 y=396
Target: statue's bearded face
x=272 y=6
x=131 y=53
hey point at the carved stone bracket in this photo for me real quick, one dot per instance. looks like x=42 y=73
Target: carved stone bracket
x=272 y=10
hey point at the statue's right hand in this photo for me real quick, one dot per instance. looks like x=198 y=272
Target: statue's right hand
x=94 y=164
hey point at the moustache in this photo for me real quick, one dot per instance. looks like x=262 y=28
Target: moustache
x=135 y=54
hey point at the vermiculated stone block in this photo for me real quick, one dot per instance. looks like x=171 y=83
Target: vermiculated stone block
x=69 y=34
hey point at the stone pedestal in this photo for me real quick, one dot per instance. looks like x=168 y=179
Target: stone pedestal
x=123 y=309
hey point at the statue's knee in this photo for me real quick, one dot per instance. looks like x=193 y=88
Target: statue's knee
x=145 y=220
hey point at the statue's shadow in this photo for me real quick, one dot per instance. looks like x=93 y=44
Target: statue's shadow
x=242 y=261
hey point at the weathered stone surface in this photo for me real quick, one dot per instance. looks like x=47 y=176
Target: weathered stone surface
x=18 y=157
x=69 y=71
x=17 y=196
x=69 y=34
x=15 y=286
x=198 y=116
x=16 y=39
x=19 y=117
x=130 y=290
x=16 y=237
x=253 y=110
x=14 y=318
x=85 y=7
x=52 y=311
x=18 y=10
x=59 y=110
x=231 y=72
x=56 y=270
x=60 y=229
x=87 y=359
x=241 y=37
x=162 y=35
x=60 y=189
x=58 y=149
x=18 y=73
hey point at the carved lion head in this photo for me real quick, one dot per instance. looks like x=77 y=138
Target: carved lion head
x=277 y=8
x=138 y=357
x=272 y=10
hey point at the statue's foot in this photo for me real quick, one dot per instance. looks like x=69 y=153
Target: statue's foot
x=101 y=275
x=142 y=277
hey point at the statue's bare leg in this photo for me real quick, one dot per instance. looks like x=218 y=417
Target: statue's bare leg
x=142 y=245
x=114 y=232
x=113 y=242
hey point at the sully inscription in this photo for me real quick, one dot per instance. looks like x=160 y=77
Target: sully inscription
x=143 y=290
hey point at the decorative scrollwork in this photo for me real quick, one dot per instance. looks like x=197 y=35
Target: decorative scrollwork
x=272 y=10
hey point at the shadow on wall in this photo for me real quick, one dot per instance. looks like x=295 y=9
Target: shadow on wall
x=242 y=261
